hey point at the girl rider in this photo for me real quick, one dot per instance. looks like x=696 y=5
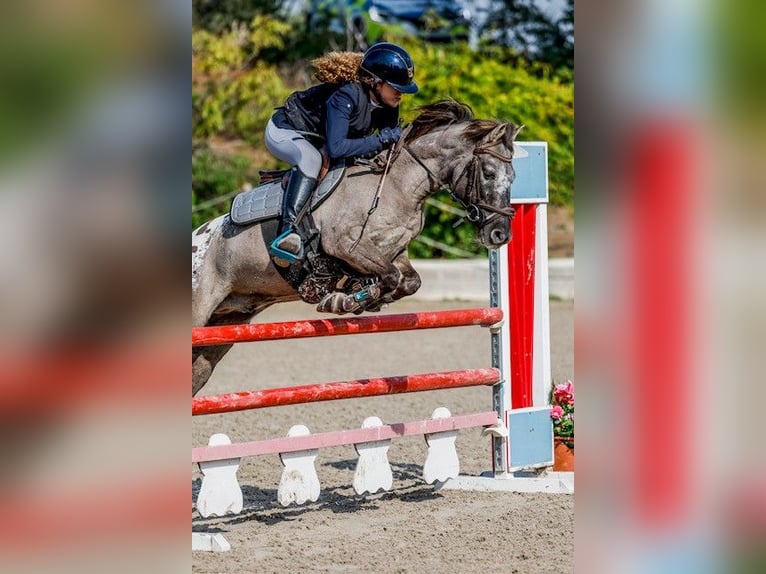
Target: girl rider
x=359 y=94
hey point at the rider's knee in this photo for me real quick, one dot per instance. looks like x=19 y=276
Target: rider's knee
x=310 y=163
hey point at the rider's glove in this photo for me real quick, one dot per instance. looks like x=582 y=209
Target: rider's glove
x=387 y=136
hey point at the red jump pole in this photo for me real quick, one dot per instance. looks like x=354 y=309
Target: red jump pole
x=343 y=390
x=207 y=336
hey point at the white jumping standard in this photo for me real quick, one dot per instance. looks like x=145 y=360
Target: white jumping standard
x=519 y=423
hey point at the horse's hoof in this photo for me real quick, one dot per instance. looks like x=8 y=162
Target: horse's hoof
x=351 y=305
x=332 y=303
x=279 y=262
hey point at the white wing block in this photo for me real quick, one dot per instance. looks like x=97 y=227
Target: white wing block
x=373 y=471
x=299 y=482
x=441 y=461
x=220 y=492
x=210 y=542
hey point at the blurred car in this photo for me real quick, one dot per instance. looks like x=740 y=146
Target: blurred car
x=432 y=20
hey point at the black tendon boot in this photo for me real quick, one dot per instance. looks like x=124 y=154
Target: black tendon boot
x=288 y=245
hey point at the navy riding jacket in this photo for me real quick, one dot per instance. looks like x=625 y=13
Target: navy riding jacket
x=346 y=117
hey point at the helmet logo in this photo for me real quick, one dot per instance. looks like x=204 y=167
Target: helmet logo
x=410 y=73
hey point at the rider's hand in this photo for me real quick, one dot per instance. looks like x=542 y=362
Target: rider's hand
x=387 y=136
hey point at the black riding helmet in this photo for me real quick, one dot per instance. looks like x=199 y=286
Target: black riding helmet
x=391 y=64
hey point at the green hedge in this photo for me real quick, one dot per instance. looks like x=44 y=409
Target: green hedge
x=213 y=177
x=233 y=92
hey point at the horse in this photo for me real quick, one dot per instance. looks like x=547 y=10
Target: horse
x=365 y=227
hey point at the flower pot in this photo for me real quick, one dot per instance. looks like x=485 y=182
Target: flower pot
x=563 y=454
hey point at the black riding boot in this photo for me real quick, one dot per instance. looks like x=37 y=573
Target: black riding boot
x=294 y=202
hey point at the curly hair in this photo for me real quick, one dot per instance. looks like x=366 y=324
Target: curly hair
x=339 y=68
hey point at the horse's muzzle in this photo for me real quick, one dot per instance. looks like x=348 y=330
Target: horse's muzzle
x=495 y=233
x=499 y=236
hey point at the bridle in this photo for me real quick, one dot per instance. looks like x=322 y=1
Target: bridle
x=475 y=209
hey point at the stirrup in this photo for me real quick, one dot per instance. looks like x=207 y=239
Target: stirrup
x=281 y=253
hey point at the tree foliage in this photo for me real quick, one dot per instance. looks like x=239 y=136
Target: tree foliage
x=233 y=91
x=218 y=16
x=215 y=176
x=523 y=26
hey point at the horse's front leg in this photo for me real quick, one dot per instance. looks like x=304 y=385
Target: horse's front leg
x=409 y=279
x=370 y=297
x=409 y=283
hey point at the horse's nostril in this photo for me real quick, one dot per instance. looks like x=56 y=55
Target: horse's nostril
x=498 y=236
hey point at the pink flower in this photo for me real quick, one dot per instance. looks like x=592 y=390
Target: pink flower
x=565 y=387
x=556 y=413
x=564 y=393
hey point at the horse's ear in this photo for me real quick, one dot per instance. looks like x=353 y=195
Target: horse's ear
x=511 y=131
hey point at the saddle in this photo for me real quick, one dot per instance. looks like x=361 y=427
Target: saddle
x=317 y=274
x=265 y=201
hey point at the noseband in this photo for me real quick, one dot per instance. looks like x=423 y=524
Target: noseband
x=474 y=208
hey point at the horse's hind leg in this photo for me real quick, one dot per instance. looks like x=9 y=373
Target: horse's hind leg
x=204 y=360
x=205 y=298
x=207 y=295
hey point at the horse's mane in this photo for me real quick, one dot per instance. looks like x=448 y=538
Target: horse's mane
x=445 y=113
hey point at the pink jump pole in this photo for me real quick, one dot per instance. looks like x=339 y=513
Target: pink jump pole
x=282 y=445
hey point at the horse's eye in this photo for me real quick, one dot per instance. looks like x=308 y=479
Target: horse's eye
x=489 y=173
